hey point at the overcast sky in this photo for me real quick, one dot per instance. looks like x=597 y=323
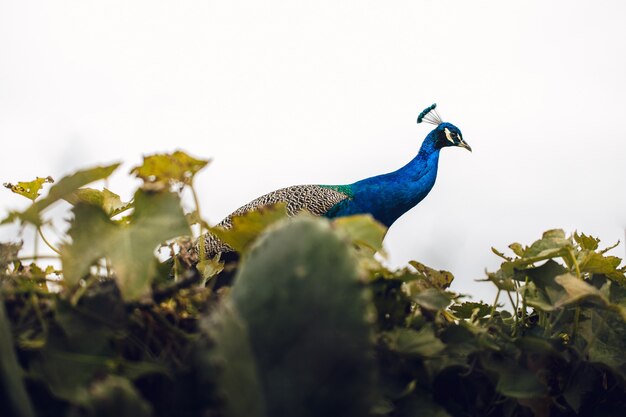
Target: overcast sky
x=288 y=92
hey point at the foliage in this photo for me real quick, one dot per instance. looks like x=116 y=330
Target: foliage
x=314 y=323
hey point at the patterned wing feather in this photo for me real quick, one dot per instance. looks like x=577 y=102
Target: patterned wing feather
x=315 y=199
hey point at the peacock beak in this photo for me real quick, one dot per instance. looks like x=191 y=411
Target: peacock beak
x=464 y=144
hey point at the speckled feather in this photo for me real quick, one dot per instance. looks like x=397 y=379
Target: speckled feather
x=316 y=199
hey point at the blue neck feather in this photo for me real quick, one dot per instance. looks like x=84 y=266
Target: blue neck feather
x=389 y=196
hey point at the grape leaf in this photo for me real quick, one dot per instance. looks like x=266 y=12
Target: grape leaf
x=551 y=243
x=246 y=227
x=363 y=230
x=438 y=279
x=421 y=342
x=29 y=189
x=110 y=202
x=468 y=309
x=162 y=170
x=586 y=242
x=130 y=247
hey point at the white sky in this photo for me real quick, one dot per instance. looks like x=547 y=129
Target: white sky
x=289 y=92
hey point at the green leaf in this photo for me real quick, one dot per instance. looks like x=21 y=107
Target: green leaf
x=60 y=190
x=130 y=247
x=605 y=332
x=552 y=242
x=248 y=226
x=469 y=309
x=576 y=290
x=238 y=379
x=162 y=170
x=501 y=279
x=308 y=315
x=586 y=242
x=517 y=249
x=110 y=202
x=432 y=299
x=583 y=381
x=362 y=230
x=513 y=380
x=29 y=189
x=596 y=263
x=209 y=267
x=437 y=278
x=421 y=342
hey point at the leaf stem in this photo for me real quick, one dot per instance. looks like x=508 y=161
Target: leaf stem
x=514 y=314
x=35 y=303
x=196 y=202
x=577 y=311
x=50 y=245
x=33 y=257
x=495 y=303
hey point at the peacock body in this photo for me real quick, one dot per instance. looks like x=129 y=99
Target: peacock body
x=386 y=197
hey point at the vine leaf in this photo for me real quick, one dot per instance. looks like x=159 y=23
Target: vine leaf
x=60 y=190
x=248 y=226
x=130 y=246
x=159 y=171
x=551 y=242
x=29 y=189
x=413 y=342
x=586 y=242
x=110 y=202
x=439 y=279
x=362 y=230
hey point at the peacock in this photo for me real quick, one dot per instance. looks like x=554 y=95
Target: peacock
x=386 y=197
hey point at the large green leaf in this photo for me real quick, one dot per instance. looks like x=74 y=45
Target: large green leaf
x=130 y=247
x=306 y=310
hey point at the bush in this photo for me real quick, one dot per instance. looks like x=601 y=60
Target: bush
x=308 y=322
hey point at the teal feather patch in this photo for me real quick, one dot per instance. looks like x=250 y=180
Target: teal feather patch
x=343 y=189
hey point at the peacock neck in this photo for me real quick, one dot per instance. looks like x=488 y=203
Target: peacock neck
x=425 y=161
x=389 y=196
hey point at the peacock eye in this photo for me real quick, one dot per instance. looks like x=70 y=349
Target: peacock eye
x=449 y=135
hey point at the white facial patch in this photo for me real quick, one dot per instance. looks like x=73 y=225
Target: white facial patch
x=448 y=135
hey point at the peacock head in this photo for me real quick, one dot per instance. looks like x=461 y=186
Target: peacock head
x=445 y=134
